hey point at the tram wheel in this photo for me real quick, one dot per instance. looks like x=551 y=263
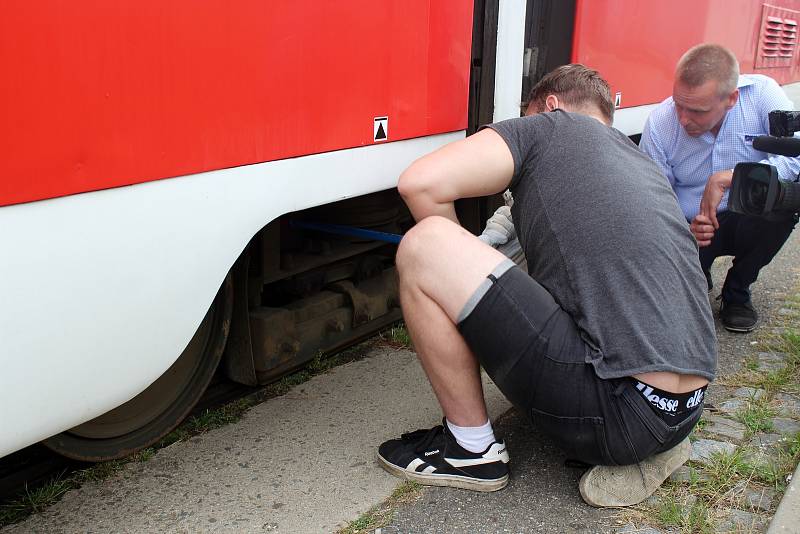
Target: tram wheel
x=154 y=412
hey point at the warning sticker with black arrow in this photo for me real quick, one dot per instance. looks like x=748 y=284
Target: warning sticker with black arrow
x=380 y=129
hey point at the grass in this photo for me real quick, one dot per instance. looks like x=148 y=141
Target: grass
x=701 y=424
x=692 y=506
x=382 y=514
x=396 y=336
x=34 y=501
x=670 y=513
x=772 y=381
x=198 y=424
x=722 y=474
x=757 y=416
x=793 y=446
x=676 y=509
x=699 y=519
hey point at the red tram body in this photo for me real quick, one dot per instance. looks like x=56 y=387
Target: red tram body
x=154 y=154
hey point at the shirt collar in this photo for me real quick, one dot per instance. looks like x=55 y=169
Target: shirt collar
x=744 y=81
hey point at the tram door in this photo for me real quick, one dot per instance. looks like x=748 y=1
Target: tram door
x=549 y=26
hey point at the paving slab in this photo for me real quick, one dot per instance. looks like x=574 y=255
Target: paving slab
x=305 y=462
x=732 y=407
x=542 y=495
x=737 y=521
x=760 y=499
x=633 y=529
x=704 y=450
x=771 y=361
x=688 y=474
x=787 y=427
x=787 y=404
x=723 y=426
x=749 y=393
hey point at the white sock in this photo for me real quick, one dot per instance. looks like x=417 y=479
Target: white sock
x=473 y=438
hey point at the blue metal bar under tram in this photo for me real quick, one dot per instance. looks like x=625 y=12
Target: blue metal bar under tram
x=351 y=231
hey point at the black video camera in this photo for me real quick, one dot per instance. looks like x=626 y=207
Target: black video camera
x=756 y=188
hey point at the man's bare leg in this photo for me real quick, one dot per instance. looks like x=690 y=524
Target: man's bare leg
x=441 y=265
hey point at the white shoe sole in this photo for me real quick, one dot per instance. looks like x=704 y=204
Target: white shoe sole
x=453 y=481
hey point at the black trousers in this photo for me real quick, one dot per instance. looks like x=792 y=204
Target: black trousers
x=535 y=353
x=752 y=241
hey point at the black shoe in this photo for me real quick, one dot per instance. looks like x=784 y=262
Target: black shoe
x=738 y=317
x=434 y=458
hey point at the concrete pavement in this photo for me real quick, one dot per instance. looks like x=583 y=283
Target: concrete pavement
x=303 y=462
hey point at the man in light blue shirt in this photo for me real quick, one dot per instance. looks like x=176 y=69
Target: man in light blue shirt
x=697 y=137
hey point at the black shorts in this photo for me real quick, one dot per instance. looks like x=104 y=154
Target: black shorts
x=534 y=353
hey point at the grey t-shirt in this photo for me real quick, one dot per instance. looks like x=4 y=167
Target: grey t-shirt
x=603 y=233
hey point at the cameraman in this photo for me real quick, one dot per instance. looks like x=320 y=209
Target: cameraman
x=697 y=136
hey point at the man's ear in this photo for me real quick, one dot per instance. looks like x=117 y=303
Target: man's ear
x=732 y=99
x=551 y=103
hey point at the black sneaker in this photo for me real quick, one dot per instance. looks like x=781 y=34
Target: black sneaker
x=738 y=317
x=434 y=458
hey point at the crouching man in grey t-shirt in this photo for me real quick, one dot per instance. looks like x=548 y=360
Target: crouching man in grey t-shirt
x=607 y=343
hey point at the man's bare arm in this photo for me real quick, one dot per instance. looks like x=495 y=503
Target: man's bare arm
x=476 y=166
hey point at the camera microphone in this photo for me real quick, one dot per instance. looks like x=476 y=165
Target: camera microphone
x=783 y=146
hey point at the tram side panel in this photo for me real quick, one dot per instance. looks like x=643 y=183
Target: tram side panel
x=152 y=141
x=636 y=45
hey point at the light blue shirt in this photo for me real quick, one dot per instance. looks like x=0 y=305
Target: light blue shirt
x=689 y=161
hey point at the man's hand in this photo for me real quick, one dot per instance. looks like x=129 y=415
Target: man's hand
x=717 y=184
x=703 y=230
x=499 y=228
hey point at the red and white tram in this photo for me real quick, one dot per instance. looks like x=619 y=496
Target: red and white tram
x=155 y=156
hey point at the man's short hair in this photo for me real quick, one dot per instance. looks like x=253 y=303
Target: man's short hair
x=707 y=62
x=577 y=85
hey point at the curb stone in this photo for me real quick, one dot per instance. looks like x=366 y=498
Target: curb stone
x=787 y=516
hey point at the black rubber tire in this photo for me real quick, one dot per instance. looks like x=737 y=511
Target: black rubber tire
x=146 y=418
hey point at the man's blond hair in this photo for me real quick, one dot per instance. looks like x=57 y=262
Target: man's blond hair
x=707 y=62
